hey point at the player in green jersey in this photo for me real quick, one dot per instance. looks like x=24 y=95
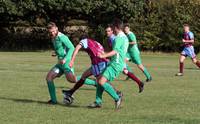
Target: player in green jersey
x=116 y=65
x=63 y=50
x=134 y=54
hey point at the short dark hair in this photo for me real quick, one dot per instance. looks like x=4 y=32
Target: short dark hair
x=83 y=36
x=118 y=24
x=186 y=25
x=51 y=25
x=126 y=25
x=110 y=26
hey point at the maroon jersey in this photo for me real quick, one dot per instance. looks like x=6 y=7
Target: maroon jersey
x=93 y=48
x=188 y=36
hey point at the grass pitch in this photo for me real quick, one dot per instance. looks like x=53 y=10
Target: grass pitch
x=166 y=100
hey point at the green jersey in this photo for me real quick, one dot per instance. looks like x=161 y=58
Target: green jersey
x=132 y=47
x=63 y=47
x=120 y=46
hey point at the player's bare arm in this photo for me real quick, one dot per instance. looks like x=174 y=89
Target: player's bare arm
x=188 y=41
x=132 y=43
x=78 y=47
x=106 y=55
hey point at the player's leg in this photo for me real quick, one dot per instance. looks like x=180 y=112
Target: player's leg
x=196 y=62
x=99 y=93
x=181 y=65
x=80 y=82
x=192 y=55
x=70 y=77
x=127 y=66
x=69 y=73
x=110 y=90
x=87 y=81
x=137 y=80
x=97 y=70
x=145 y=71
x=52 y=74
x=128 y=58
x=98 y=100
x=110 y=74
x=137 y=60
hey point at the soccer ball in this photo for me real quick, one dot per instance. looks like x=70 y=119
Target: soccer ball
x=68 y=100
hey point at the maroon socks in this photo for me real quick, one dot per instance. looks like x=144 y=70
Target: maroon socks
x=133 y=77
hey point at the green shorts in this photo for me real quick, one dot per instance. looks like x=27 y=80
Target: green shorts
x=111 y=72
x=62 y=69
x=134 y=57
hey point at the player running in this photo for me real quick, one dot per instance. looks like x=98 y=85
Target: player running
x=63 y=50
x=134 y=53
x=116 y=64
x=98 y=65
x=188 y=51
x=126 y=71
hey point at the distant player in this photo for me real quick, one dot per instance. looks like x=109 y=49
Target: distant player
x=134 y=53
x=63 y=50
x=111 y=40
x=188 y=51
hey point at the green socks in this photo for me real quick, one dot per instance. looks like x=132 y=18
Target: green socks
x=128 y=68
x=110 y=90
x=88 y=81
x=52 y=91
x=146 y=73
x=99 y=93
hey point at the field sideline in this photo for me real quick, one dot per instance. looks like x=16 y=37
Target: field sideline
x=166 y=100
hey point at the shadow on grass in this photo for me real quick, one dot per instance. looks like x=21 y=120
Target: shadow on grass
x=39 y=102
x=87 y=89
x=193 y=68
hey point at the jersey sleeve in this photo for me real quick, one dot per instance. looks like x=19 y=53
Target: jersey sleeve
x=117 y=45
x=132 y=37
x=59 y=49
x=191 y=35
x=84 y=43
x=68 y=47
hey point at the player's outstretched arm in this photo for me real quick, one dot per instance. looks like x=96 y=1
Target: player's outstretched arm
x=78 y=47
x=132 y=42
x=106 y=55
x=188 y=41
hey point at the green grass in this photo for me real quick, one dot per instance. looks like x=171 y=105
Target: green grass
x=166 y=100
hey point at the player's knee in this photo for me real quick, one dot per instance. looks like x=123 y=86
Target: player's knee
x=182 y=58
x=125 y=71
x=71 y=80
x=194 y=61
x=49 y=78
x=140 y=66
x=102 y=81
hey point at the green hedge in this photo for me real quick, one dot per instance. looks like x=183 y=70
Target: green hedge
x=157 y=23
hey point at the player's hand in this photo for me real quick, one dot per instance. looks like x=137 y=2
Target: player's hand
x=101 y=55
x=71 y=64
x=53 y=54
x=142 y=42
x=62 y=61
x=184 y=40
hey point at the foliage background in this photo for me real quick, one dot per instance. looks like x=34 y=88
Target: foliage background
x=156 y=23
